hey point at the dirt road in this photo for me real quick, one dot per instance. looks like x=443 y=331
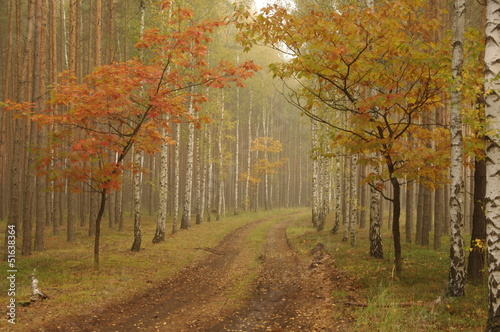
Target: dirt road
x=290 y=294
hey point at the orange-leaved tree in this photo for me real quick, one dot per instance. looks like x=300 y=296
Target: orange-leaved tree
x=381 y=67
x=266 y=164
x=124 y=105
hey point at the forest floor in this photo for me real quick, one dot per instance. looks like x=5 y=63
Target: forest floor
x=288 y=293
x=264 y=271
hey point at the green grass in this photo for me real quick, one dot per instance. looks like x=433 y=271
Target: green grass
x=65 y=270
x=424 y=279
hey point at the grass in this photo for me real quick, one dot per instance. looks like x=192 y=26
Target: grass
x=66 y=273
x=424 y=279
x=65 y=270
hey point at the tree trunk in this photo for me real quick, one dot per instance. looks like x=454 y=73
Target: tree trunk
x=97 y=236
x=456 y=279
x=338 y=195
x=136 y=246
x=210 y=174
x=353 y=220
x=426 y=217
x=39 y=98
x=221 y=160
x=202 y=178
x=186 y=214
x=475 y=264
x=71 y=220
x=420 y=214
x=98 y=33
x=410 y=199
x=176 y=178
x=315 y=174
x=376 y=249
x=438 y=217
x=237 y=154
x=163 y=192
x=249 y=157
x=492 y=196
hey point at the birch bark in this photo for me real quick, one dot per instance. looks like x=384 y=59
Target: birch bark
x=163 y=193
x=136 y=246
x=492 y=197
x=186 y=214
x=456 y=279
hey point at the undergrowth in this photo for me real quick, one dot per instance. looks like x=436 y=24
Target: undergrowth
x=414 y=302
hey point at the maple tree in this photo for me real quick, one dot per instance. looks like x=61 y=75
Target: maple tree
x=123 y=105
x=381 y=67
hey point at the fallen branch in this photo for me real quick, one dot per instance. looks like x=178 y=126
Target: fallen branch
x=36 y=293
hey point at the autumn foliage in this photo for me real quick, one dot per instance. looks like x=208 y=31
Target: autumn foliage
x=94 y=124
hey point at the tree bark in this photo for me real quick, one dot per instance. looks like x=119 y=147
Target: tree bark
x=438 y=217
x=410 y=199
x=176 y=178
x=97 y=236
x=475 y=264
x=136 y=245
x=492 y=196
x=338 y=194
x=456 y=279
x=246 y=204
x=376 y=249
x=186 y=214
x=163 y=192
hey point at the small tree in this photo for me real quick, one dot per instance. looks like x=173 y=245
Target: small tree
x=125 y=104
x=265 y=166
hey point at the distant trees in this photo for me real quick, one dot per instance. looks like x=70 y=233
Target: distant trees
x=95 y=119
x=379 y=68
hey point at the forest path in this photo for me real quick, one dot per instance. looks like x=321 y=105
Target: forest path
x=290 y=294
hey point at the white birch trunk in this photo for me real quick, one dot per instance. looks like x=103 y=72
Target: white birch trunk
x=376 y=249
x=456 y=280
x=186 y=214
x=237 y=152
x=221 y=160
x=176 y=178
x=338 y=195
x=492 y=197
x=163 y=193
x=353 y=186
x=136 y=246
x=237 y=166
x=315 y=174
x=347 y=198
x=210 y=176
x=249 y=156
x=199 y=179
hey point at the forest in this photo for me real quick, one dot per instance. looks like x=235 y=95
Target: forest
x=297 y=165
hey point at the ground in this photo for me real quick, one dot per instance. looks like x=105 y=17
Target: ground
x=290 y=293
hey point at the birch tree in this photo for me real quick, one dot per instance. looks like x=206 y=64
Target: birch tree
x=457 y=279
x=492 y=197
x=186 y=213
